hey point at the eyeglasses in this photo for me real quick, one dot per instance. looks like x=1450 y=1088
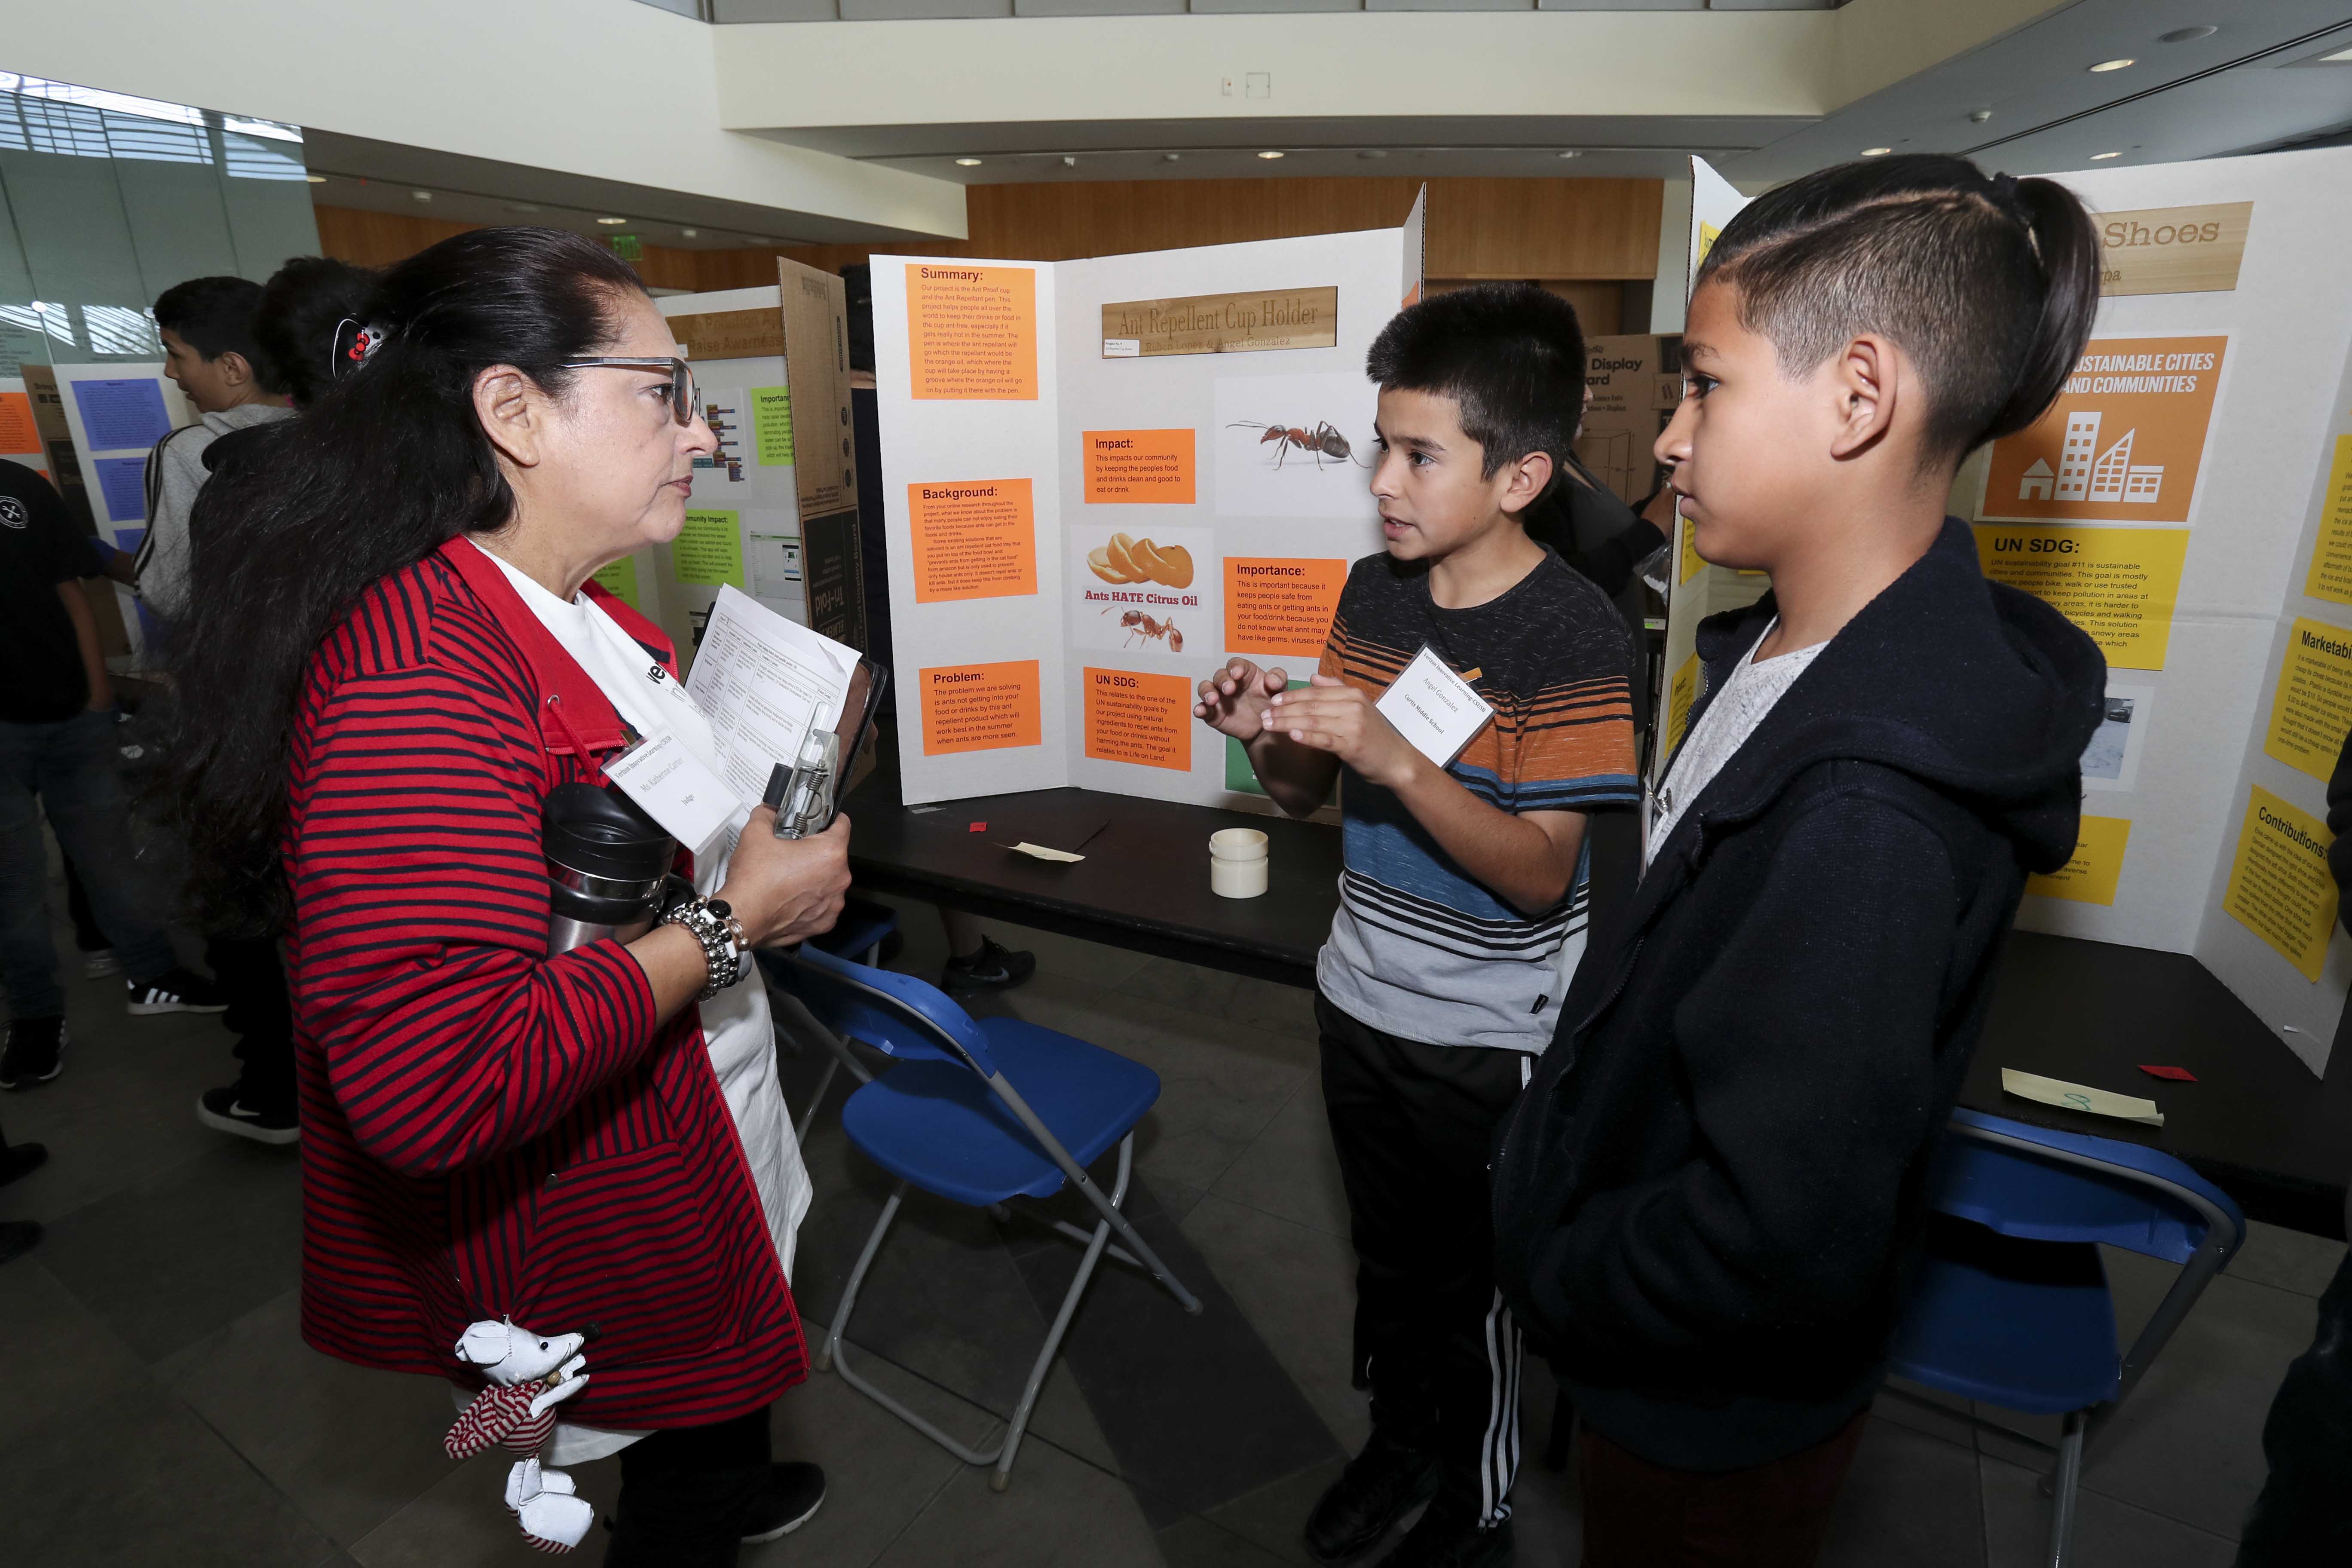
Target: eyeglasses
x=682 y=392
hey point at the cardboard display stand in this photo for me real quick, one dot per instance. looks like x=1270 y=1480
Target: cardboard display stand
x=774 y=511
x=1104 y=476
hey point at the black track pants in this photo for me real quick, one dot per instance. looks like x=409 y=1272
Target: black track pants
x=1413 y=1124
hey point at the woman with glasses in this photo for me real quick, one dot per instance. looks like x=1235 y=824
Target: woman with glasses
x=395 y=652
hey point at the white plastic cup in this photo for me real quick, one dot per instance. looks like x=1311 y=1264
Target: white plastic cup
x=1237 y=863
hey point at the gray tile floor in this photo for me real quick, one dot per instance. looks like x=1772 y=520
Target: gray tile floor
x=157 y=1406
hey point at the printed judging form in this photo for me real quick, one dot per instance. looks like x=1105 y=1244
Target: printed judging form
x=762 y=680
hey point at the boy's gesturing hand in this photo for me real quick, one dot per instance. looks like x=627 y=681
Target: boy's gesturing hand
x=1332 y=716
x=1232 y=701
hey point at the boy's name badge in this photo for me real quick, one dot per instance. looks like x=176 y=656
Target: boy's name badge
x=1434 y=708
x=691 y=802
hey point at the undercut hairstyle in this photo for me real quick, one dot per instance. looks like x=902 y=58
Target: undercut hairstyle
x=1511 y=355
x=213 y=316
x=302 y=305
x=1989 y=285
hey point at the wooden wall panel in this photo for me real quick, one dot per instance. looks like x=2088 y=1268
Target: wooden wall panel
x=1556 y=230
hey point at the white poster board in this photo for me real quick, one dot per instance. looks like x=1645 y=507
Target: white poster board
x=1040 y=421
x=2188 y=502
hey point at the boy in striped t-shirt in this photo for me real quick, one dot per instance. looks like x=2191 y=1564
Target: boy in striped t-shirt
x=1462 y=907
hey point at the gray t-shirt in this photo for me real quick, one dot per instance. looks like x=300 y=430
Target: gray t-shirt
x=1721 y=730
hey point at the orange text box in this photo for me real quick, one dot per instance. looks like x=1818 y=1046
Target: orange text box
x=973 y=539
x=1132 y=716
x=1280 y=604
x=2122 y=444
x=20 y=434
x=971 y=331
x=980 y=707
x=1150 y=465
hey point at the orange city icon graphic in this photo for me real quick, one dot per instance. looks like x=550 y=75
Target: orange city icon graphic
x=2122 y=444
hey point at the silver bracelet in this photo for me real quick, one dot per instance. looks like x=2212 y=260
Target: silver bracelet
x=714 y=925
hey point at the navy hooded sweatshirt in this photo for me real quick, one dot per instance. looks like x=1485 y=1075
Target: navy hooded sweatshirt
x=1710 y=1198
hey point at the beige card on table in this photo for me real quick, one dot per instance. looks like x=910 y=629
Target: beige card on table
x=2080 y=1097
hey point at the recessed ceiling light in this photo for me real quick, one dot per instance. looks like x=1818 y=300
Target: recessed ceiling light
x=690 y=233
x=1573 y=153
x=1978 y=116
x=2102 y=157
x=2110 y=65
x=1269 y=154
x=2186 y=34
x=611 y=222
x=1876 y=151
x=1068 y=162
x=522 y=206
x=2340 y=57
x=967 y=162
x=316 y=179
x=422 y=195
x=1172 y=157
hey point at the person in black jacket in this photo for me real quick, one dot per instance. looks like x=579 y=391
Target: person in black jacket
x=1708 y=1200
x=2303 y=1514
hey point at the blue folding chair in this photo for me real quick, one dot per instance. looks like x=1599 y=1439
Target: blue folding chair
x=858 y=935
x=2011 y=1305
x=950 y=1120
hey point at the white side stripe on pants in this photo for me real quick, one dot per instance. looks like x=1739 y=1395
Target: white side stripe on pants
x=1498 y=1451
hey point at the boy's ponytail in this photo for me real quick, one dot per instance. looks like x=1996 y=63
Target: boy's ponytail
x=2066 y=246
x=1991 y=285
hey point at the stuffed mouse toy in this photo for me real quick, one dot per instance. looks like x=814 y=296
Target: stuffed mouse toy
x=528 y=1374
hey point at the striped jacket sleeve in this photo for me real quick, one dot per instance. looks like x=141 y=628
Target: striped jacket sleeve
x=422 y=902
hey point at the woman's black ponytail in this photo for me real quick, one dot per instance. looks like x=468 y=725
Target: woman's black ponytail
x=1991 y=285
x=387 y=465
x=2066 y=246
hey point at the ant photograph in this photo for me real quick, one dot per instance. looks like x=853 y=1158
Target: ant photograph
x=1294 y=446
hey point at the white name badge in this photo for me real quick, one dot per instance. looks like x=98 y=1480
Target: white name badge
x=1434 y=708
x=691 y=802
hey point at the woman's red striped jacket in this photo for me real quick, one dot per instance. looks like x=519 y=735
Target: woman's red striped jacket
x=487 y=1131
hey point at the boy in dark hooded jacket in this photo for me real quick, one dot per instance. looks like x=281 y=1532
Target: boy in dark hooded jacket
x=1708 y=1201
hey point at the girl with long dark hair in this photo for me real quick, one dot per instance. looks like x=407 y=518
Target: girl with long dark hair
x=392 y=654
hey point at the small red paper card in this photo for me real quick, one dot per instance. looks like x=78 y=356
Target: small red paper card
x=977 y=827
x=2178 y=1075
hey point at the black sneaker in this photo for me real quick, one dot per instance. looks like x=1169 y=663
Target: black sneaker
x=226 y=1110
x=18 y=1237
x=1379 y=1487
x=795 y=1491
x=1449 y=1536
x=992 y=968
x=176 y=990
x=35 y=1045
x=20 y=1160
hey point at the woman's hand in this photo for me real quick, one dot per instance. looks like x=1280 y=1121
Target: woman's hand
x=787 y=889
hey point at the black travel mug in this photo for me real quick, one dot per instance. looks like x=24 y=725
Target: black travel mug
x=607 y=861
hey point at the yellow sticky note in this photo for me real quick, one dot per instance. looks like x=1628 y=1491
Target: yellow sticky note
x=2119 y=584
x=2279 y=885
x=1681 y=692
x=2089 y=876
x=2330 y=576
x=2080 y=1097
x=709 y=551
x=2311 y=711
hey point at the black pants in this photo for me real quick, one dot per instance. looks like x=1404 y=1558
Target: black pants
x=2302 y=1516
x=1413 y=1126
x=253 y=983
x=685 y=1492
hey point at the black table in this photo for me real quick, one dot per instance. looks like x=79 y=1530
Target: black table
x=2256 y=1123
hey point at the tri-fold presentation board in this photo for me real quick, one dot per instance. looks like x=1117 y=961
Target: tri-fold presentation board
x=1103 y=477
x=114 y=413
x=2188 y=502
x=774 y=509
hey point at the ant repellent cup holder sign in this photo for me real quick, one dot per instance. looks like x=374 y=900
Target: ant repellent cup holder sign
x=1237 y=863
